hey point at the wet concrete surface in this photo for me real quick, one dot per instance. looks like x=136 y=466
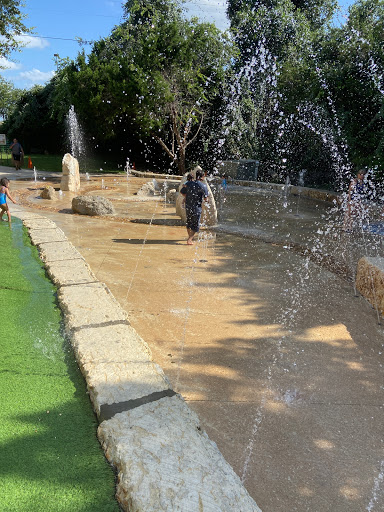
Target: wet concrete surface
x=280 y=360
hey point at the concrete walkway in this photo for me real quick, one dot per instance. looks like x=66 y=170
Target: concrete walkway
x=281 y=362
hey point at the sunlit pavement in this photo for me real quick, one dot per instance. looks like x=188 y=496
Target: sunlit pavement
x=282 y=363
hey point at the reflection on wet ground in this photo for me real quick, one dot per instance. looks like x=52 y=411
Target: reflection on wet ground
x=275 y=353
x=314 y=228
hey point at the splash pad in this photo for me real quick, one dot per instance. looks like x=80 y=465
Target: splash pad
x=264 y=344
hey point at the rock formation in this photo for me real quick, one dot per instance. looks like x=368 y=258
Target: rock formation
x=92 y=205
x=171 y=196
x=148 y=189
x=71 y=177
x=48 y=192
x=370 y=281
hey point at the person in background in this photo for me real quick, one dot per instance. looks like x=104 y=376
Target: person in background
x=195 y=192
x=356 y=196
x=224 y=183
x=17 y=153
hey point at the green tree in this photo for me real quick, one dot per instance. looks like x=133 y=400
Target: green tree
x=317 y=12
x=268 y=35
x=31 y=121
x=157 y=73
x=304 y=86
x=9 y=96
x=11 y=26
x=352 y=60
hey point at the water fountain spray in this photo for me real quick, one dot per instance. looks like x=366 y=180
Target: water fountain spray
x=127 y=168
x=75 y=134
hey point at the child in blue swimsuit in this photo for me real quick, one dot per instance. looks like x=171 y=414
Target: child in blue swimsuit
x=4 y=193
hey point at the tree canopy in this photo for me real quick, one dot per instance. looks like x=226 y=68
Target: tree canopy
x=9 y=96
x=285 y=86
x=11 y=26
x=325 y=84
x=157 y=74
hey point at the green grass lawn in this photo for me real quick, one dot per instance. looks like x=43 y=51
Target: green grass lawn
x=50 y=457
x=5 y=158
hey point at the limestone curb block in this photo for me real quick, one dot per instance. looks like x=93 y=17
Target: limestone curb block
x=89 y=305
x=370 y=280
x=166 y=463
x=70 y=272
x=117 y=365
x=58 y=251
x=113 y=383
x=110 y=344
x=24 y=215
x=49 y=235
x=39 y=223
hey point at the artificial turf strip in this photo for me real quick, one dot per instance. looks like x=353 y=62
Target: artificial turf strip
x=50 y=458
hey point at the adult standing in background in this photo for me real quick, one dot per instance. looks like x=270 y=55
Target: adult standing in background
x=17 y=154
x=356 y=211
x=194 y=192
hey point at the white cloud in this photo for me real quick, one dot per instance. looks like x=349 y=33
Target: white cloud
x=37 y=77
x=32 y=42
x=7 y=64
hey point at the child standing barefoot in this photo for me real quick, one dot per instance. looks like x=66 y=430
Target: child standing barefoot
x=4 y=193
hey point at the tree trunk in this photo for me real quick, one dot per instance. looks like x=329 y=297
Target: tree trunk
x=181 y=160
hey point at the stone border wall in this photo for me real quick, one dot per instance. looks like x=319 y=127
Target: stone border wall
x=164 y=460
x=370 y=281
x=312 y=193
x=149 y=174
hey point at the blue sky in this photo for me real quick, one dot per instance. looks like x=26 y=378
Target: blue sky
x=57 y=25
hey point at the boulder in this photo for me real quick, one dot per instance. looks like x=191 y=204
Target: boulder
x=370 y=280
x=48 y=192
x=71 y=177
x=148 y=189
x=92 y=205
x=171 y=196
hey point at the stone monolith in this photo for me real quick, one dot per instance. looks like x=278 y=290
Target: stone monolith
x=70 y=179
